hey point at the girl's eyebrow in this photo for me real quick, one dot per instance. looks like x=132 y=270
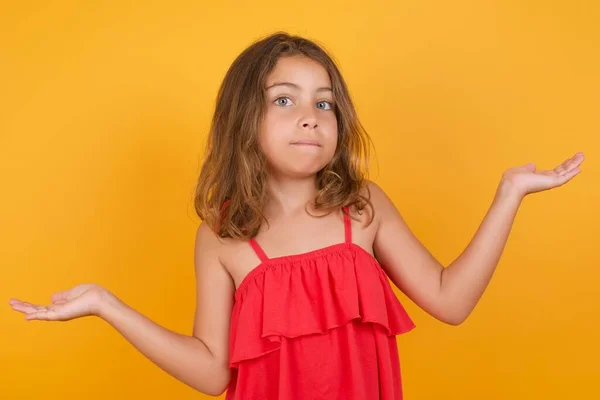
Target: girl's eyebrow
x=294 y=86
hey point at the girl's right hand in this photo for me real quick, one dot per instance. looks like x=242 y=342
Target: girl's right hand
x=79 y=301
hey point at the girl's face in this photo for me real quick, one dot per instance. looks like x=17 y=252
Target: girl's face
x=299 y=132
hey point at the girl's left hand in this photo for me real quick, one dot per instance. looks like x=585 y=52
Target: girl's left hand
x=525 y=180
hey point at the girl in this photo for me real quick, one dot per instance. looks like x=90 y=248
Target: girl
x=296 y=246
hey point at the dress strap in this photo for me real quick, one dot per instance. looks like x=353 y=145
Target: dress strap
x=258 y=250
x=347 y=225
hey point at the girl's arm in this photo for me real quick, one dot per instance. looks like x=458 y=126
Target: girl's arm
x=450 y=294
x=201 y=360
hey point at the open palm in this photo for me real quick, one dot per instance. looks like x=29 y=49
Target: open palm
x=80 y=301
x=527 y=180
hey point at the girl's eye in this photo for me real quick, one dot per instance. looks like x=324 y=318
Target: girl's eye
x=286 y=101
x=283 y=101
x=325 y=105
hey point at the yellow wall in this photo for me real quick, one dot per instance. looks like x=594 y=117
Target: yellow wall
x=104 y=111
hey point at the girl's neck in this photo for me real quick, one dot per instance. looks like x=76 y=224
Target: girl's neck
x=289 y=196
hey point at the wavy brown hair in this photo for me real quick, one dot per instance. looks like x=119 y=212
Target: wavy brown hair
x=234 y=172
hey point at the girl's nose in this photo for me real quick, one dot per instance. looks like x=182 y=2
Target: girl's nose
x=309 y=120
x=309 y=125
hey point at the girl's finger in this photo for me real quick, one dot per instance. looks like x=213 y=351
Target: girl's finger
x=33 y=315
x=23 y=303
x=560 y=169
x=31 y=305
x=44 y=315
x=15 y=302
x=571 y=164
x=574 y=172
x=59 y=296
x=24 y=308
x=566 y=177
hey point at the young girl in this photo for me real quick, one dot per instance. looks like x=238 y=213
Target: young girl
x=296 y=246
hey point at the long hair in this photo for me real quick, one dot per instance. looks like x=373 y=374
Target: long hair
x=231 y=189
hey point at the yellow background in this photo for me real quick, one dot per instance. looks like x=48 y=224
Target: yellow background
x=104 y=111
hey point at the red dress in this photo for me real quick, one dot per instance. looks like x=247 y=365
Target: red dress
x=316 y=325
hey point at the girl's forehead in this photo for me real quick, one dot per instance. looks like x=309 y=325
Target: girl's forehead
x=299 y=70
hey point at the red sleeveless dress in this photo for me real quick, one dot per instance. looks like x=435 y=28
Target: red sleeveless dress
x=316 y=325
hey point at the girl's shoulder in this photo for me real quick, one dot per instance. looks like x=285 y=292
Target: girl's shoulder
x=377 y=204
x=365 y=222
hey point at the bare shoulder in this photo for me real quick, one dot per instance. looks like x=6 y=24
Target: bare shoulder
x=207 y=239
x=380 y=203
x=224 y=252
x=208 y=248
x=366 y=222
x=377 y=193
x=236 y=257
